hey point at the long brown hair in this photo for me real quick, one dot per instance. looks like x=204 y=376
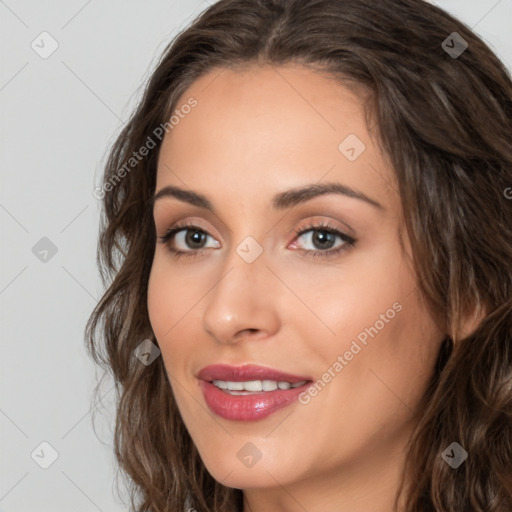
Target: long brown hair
x=443 y=115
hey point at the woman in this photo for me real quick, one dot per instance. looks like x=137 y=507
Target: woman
x=307 y=241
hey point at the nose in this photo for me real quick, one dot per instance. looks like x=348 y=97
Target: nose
x=243 y=303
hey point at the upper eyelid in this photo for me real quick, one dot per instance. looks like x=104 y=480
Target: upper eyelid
x=309 y=210
x=314 y=216
x=209 y=216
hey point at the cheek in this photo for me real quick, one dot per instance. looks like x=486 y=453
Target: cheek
x=373 y=319
x=159 y=306
x=174 y=308
x=392 y=360
x=168 y=302
x=170 y=298
x=366 y=295
x=165 y=308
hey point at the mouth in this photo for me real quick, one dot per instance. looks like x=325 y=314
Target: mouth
x=249 y=392
x=251 y=387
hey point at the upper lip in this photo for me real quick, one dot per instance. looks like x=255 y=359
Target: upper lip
x=247 y=372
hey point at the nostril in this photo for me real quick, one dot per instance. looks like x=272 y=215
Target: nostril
x=247 y=332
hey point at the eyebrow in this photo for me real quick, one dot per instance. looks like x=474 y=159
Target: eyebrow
x=280 y=201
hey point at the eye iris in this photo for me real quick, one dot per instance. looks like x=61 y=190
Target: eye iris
x=322 y=236
x=192 y=237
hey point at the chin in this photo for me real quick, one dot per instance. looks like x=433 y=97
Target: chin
x=234 y=473
x=244 y=478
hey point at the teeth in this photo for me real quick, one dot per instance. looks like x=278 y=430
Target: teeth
x=270 y=385
x=255 y=385
x=235 y=386
x=251 y=385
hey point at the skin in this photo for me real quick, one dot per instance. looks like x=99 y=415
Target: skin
x=256 y=132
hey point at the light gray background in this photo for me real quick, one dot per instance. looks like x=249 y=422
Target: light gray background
x=58 y=117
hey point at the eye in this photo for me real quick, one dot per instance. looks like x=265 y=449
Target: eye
x=187 y=235
x=324 y=236
x=192 y=238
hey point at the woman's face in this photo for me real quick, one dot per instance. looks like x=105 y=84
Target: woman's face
x=337 y=308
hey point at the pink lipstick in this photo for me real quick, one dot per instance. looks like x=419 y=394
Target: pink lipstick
x=249 y=392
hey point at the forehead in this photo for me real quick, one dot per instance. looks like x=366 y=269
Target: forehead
x=263 y=129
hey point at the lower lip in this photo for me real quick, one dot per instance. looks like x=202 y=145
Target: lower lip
x=248 y=407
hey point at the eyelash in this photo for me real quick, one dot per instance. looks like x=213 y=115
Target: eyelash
x=322 y=227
